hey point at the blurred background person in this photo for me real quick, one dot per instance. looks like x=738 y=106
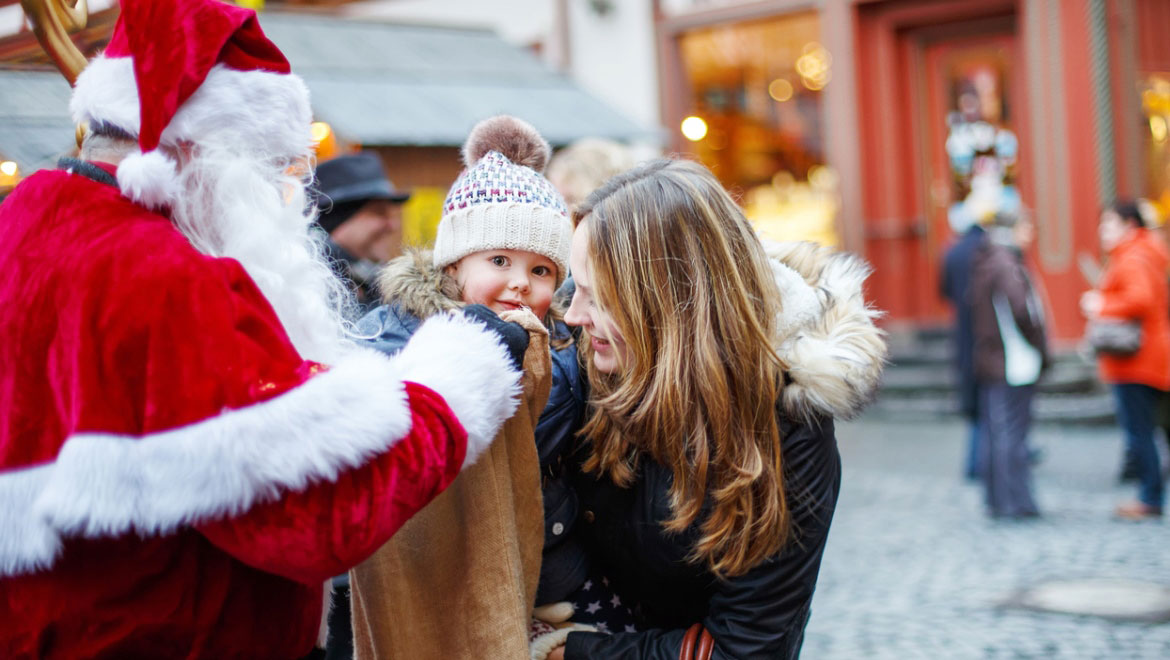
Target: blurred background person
x=1010 y=352
x=361 y=211
x=956 y=287
x=1134 y=288
x=584 y=165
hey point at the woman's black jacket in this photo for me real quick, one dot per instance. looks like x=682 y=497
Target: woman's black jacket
x=760 y=614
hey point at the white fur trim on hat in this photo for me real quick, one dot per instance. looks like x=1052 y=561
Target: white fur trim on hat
x=149 y=179
x=525 y=227
x=258 y=111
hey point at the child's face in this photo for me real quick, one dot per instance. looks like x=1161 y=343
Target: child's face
x=507 y=279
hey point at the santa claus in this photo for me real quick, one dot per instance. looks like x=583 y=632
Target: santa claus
x=189 y=447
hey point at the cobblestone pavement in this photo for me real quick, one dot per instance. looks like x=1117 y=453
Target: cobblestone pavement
x=915 y=569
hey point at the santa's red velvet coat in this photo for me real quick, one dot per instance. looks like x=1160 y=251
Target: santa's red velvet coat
x=175 y=481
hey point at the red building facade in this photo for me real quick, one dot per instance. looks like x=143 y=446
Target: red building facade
x=1067 y=102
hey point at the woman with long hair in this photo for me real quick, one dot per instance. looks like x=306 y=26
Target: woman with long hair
x=709 y=468
x=1133 y=288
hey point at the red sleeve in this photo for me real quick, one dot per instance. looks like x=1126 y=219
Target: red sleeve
x=1129 y=294
x=326 y=530
x=213 y=346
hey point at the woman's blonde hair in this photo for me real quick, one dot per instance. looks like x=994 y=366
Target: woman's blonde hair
x=676 y=265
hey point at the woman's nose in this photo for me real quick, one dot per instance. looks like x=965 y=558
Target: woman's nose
x=575 y=315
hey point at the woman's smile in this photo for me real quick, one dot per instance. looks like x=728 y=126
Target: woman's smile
x=599 y=345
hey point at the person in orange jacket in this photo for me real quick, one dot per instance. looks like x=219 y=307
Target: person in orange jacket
x=1134 y=287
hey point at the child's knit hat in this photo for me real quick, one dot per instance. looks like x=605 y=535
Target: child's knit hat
x=502 y=201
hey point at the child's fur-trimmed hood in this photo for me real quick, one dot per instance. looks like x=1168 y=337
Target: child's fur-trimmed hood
x=412 y=282
x=833 y=354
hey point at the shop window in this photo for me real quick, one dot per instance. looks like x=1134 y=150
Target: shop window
x=755 y=118
x=1156 y=110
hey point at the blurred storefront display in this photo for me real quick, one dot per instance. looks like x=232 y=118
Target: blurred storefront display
x=756 y=120
x=889 y=126
x=1156 y=109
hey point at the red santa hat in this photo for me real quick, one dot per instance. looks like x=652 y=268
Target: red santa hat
x=199 y=71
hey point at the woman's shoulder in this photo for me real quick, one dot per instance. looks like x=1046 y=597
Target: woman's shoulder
x=812 y=473
x=807 y=440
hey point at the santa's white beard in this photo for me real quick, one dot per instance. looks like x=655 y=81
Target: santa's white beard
x=246 y=209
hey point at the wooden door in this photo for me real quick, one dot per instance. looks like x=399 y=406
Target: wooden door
x=970 y=129
x=910 y=56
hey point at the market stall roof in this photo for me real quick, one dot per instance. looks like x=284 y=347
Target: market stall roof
x=35 y=127
x=381 y=83
x=378 y=84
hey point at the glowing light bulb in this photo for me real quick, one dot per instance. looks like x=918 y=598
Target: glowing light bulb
x=1158 y=129
x=780 y=90
x=320 y=130
x=694 y=128
x=8 y=168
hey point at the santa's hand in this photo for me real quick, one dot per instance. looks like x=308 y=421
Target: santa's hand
x=514 y=337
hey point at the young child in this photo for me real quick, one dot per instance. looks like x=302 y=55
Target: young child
x=503 y=242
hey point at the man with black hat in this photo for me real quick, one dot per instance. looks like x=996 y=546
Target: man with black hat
x=362 y=212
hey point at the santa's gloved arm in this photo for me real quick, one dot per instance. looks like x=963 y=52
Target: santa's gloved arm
x=309 y=482
x=459 y=385
x=330 y=527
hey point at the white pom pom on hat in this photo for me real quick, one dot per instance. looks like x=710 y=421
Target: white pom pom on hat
x=149 y=178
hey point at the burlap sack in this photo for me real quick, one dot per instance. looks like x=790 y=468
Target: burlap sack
x=459 y=579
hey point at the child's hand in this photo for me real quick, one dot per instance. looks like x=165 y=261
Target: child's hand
x=525 y=319
x=513 y=336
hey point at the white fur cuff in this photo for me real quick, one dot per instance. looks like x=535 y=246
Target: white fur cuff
x=27 y=542
x=107 y=485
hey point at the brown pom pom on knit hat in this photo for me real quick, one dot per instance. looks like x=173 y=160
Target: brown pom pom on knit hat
x=502 y=200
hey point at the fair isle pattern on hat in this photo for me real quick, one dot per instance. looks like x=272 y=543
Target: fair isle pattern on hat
x=496 y=180
x=497 y=204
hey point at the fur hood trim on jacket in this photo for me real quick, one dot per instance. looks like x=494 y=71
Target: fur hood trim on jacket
x=412 y=282
x=832 y=352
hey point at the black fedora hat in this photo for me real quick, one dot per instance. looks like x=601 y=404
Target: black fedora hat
x=354 y=178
